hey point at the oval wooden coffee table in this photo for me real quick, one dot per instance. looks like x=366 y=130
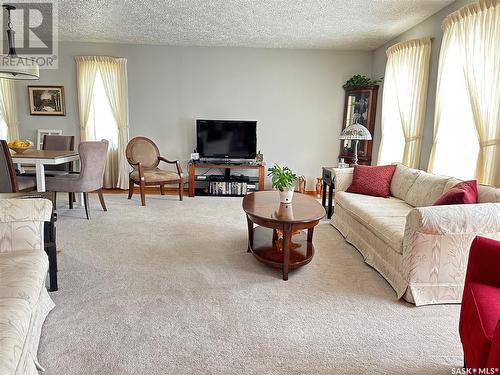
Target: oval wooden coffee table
x=278 y=239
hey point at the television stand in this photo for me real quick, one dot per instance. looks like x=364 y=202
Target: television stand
x=226 y=177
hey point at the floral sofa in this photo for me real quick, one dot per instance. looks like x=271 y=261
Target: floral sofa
x=24 y=301
x=420 y=249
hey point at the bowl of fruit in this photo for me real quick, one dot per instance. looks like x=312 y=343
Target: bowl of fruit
x=19 y=146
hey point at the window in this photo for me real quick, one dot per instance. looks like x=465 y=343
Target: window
x=103 y=106
x=403 y=103
x=102 y=123
x=393 y=139
x=466 y=130
x=456 y=142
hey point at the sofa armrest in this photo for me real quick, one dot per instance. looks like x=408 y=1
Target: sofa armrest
x=342 y=178
x=22 y=210
x=455 y=219
x=21 y=223
x=436 y=247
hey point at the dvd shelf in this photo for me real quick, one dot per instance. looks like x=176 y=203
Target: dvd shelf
x=227 y=184
x=228 y=188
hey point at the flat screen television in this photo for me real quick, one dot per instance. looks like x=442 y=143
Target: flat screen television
x=226 y=139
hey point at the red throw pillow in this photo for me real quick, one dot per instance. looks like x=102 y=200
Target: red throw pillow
x=374 y=181
x=462 y=193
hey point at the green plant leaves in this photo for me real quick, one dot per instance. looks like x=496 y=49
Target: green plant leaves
x=360 y=80
x=282 y=177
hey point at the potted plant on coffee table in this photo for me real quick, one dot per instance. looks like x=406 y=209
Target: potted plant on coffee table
x=283 y=179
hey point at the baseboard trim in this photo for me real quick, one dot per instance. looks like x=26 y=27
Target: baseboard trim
x=170 y=191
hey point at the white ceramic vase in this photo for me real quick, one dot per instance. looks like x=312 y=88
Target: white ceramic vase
x=286 y=195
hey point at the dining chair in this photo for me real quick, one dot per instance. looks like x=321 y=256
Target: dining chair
x=58 y=143
x=144 y=156
x=9 y=182
x=89 y=179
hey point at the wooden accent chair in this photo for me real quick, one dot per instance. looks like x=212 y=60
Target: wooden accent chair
x=93 y=161
x=144 y=156
x=9 y=182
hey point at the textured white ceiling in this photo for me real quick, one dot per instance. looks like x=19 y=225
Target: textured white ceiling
x=328 y=24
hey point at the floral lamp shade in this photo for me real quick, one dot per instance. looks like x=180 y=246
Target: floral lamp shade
x=357 y=132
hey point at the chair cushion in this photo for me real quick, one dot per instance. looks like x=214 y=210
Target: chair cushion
x=65 y=183
x=26 y=182
x=23 y=274
x=384 y=217
x=370 y=180
x=462 y=193
x=155 y=175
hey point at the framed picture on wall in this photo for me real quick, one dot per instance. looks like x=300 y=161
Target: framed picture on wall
x=46 y=100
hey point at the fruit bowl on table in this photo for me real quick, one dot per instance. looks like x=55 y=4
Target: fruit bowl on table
x=20 y=147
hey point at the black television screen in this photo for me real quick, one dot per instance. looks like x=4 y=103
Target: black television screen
x=223 y=139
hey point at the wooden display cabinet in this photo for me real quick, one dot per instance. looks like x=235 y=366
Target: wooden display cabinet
x=360 y=106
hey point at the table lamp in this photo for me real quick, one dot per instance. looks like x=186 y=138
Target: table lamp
x=356 y=132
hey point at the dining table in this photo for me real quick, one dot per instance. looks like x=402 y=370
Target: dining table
x=41 y=158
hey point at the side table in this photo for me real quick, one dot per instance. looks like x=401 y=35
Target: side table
x=327 y=177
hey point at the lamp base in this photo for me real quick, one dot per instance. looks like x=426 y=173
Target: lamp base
x=355 y=156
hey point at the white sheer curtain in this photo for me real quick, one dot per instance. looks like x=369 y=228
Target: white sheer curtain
x=467 y=121
x=403 y=104
x=8 y=110
x=111 y=74
x=114 y=77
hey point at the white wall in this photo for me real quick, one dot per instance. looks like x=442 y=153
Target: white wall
x=431 y=27
x=295 y=95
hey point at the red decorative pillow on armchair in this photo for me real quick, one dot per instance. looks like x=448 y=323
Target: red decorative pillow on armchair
x=374 y=181
x=462 y=193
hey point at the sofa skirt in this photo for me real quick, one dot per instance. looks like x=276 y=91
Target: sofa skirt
x=29 y=360
x=375 y=252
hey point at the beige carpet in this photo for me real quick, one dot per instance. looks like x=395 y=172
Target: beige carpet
x=170 y=289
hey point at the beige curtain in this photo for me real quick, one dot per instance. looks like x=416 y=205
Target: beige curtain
x=471 y=42
x=404 y=102
x=114 y=76
x=86 y=70
x=113 y=72
x=8 y=108
x=478 y=32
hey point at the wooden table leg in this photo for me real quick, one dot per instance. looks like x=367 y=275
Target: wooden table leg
x=287 y=237
x=310 y=232
x=250 y=234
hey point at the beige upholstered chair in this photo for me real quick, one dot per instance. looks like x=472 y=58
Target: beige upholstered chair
x=93 y=162
x=144 y=156
x=9 y=182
